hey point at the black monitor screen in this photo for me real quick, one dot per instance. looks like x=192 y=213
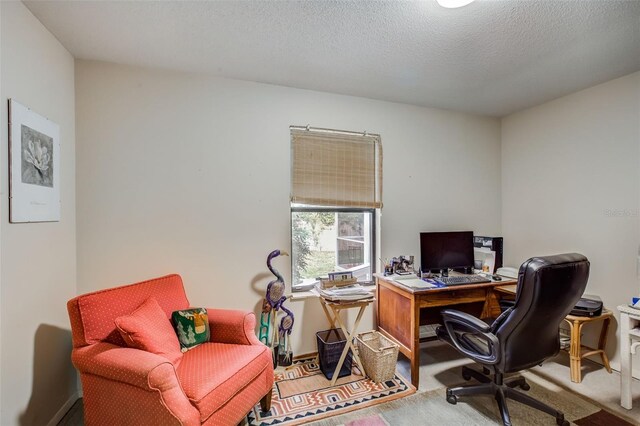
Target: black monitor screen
x=441 y=250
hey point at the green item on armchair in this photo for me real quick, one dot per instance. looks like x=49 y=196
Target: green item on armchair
x=192 y=327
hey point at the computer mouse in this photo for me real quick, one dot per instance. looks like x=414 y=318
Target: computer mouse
x=496 y=277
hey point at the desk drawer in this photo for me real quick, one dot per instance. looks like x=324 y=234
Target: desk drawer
x=453 y=297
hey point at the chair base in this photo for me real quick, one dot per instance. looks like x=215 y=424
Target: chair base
x=501 y=390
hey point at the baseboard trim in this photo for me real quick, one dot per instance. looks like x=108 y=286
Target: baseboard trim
x=304 y=356
x=615 y=366
x=64 y=409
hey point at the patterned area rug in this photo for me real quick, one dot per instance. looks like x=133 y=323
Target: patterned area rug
x=302 y=394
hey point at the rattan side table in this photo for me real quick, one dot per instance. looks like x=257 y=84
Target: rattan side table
x=578 y=351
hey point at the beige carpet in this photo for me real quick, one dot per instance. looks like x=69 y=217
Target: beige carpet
x=431 y=408
x=441 y=366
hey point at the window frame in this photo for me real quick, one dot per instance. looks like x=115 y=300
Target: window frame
x=323 y=209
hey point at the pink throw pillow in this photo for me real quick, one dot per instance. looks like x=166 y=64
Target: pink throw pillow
x=148 y=328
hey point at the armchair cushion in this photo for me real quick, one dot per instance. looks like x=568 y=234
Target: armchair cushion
x=127 y=386
x=192 y=327
x=147 y=328
x=212 y=373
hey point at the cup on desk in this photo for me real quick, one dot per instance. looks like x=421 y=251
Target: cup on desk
x=388 y=270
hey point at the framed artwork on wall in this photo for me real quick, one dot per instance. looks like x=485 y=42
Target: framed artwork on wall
x=34 y=166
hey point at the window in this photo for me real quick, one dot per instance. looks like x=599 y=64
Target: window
x=336 y=185
x=331 y=240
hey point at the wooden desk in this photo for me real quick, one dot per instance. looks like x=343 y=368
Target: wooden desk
x=509 y=290
x=401 y=310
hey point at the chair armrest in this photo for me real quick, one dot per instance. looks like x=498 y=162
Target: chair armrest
x=464 y=318
x=460 y=322
x=233 y=326
x=128 y=365
x=146 y=371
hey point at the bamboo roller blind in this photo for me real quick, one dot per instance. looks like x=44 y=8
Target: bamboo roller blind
x=332 y=168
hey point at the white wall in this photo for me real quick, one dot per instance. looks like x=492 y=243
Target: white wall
x=571 y=182
x=190 y=174
x=38 y=261
x=1 y=225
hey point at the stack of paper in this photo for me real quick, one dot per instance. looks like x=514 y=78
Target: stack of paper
x=416 y=282
x=344 y=294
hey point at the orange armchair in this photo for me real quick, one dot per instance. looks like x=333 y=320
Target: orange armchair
x=215 y=383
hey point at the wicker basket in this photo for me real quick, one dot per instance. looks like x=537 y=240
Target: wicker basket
x=378 y=355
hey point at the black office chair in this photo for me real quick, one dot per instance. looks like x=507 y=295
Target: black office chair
x=522 y=336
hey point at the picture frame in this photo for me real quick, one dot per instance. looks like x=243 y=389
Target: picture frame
x=340 y=276
x=34 y=166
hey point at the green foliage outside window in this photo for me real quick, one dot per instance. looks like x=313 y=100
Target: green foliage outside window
x=306 y=228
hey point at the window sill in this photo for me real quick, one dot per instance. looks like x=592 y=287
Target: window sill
x=302 y=295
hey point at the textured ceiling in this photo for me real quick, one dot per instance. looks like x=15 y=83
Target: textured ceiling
x=491 y=57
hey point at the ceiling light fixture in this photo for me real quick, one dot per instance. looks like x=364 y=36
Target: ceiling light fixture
x=452 y=4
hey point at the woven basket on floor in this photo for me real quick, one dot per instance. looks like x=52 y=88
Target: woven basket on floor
x=378 y=355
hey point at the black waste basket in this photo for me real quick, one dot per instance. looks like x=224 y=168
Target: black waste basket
x=331 y=343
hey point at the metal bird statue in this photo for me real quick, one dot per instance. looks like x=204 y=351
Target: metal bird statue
x=285 y=353
x=275 y=289
x=273 y=301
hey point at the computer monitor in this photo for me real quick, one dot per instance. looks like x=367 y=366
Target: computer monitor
x=446 y=250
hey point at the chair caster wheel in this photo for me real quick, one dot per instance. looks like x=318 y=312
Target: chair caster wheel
x=560 y=421
x=466 y=376
x=525 y=387
x=452 y=399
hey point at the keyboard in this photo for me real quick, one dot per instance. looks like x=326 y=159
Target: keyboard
x=463 y=279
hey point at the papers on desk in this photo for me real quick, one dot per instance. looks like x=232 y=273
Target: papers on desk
x=415 y=282
x=351 y=293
